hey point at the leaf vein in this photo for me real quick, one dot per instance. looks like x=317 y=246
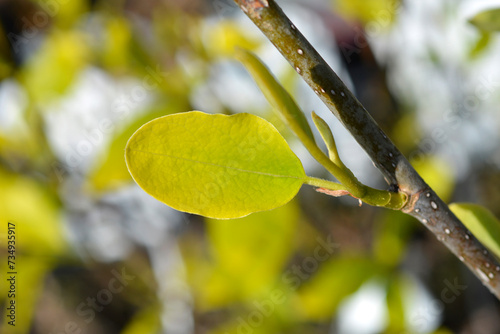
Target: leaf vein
x=222 y=166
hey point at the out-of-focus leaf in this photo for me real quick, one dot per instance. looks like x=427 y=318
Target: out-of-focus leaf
x=436 y=173
x=55 y=66
x=166 y=23
x=29 y=283
x=406 y=131
x=146 y=321
x=381 y=12
x=35 y=213
x=443 y=331
x=112 y=171
x=481 y=44
x=488 y=20
x=226 y=35
x=250 y=252
x=481 y=222
x=116 y=51
x=264 y=319
x=391 y=237
x=220 y=278
x=395 y=305
x=5 y=69
x=64 y=14
x=335 y=280
x=214 y=165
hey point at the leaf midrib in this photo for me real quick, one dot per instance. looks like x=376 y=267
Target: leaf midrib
x=221 y=166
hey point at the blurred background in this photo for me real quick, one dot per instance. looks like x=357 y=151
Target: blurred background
x=95 y=254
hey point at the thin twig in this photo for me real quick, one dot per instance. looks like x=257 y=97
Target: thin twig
x=423 y=202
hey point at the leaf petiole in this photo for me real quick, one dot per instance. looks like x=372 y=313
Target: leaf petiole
x=321 y=183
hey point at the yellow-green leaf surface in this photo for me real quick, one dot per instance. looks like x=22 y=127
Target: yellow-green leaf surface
x=481 y=222
x=488 y=20
x=217 y=166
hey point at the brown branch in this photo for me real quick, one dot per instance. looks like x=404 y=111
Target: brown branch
x=423 y=202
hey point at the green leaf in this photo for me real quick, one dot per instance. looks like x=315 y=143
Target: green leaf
x=233 y=246
x=334 y=281
x=327 y=136
x=381 y=12
x=144 y=321
x=33 y=215
x=35 y=269
x=488 y=20
x=41 y=227
x=391 y=238
x=436 y=173
x=482 y=43
x=55 y=66
x=217 y=166
x=116 y=49
x=396 y=287
x=240 y=244
x=481 y=222
x=226 y=35
x=277 y=96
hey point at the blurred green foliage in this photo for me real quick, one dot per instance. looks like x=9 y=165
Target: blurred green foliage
x=481 y=222
x=40 y=244
x=488 y=20
x=368 y=11
x=238 y=246
x=289 y=270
